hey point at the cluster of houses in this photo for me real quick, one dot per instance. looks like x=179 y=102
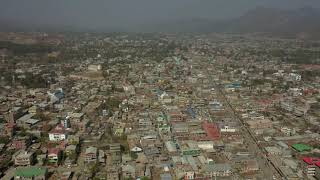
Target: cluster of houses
x=190 y=116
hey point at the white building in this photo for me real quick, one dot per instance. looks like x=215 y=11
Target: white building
x=58 y=133
x=94 y=67
x=295 y=77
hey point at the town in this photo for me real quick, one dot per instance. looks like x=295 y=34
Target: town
x=158 y=106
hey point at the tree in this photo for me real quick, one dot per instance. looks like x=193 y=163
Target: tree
x=4 y=140
x=133 y=155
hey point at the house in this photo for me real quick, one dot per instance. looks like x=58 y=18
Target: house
x=212 y=130
x=59 y=133
x=273 y=150
x=227 y=127
x=217 y=170
x=189 y=175
x=317 y=174
x=71 y=149
x=94 y=67
x=190 y=148
x=102 y=157
x=24 y=159
x=27 y=121
x=32 y=172
x=288 y=131
x=75 y=118
x=73 y=139
x=10 y=129
x=259 y=123
x=250 y=166
x=56 y=96
x=54 y=156
x=21 y=142
x=91 y=154
x=310 y=165
x=114 y=154
x=128 y=171
x=33 y=110
x=294 y=77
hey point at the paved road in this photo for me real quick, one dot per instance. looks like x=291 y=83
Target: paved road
x=269 y=170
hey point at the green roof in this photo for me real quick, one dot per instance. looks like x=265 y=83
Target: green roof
x=301 y=147
x=30 y=171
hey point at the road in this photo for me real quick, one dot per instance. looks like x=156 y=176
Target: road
x=269 y=170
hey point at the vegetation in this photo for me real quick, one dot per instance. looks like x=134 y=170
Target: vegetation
x=22 y=49
x=133 y=155
x=4 y=140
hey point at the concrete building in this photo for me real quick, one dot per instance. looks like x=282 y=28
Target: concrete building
x=24 y=159
x=310 y=165
x=91 y=154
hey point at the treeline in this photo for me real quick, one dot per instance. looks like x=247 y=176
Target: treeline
x=300 y=56
x=21 y=49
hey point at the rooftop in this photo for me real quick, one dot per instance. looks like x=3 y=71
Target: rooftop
x=301 y=147
x=29 y=172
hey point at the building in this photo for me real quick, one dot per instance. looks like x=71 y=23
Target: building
x=24 y=159
x=301 y=147
x=212 y=130
x=217 y=170
x=259 y=123
x=317 y=175
x=32 y=172
x=91 y=154
x=294 y=77
x=310 y=165
x=273 y=150
x=190 y=148
x=227 y=127
x=288 y=131
x=59 y=133
x=54 y=156
x=94 y=67
x=56 y=96
x=128 y=171
x=21 y=143
x=250 y=166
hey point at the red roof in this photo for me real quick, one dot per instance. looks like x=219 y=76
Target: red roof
x=53 y=151
x=212 y=130
x=311 y=160
x=59 y=129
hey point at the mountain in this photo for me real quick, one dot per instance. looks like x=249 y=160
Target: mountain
x=284 y=23
x=299 y=23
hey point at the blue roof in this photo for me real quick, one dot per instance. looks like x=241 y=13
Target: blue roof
x=159 y=92
x=191 y=112
x=59 y=94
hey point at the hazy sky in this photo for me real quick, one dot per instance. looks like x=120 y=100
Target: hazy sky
x=123 y=13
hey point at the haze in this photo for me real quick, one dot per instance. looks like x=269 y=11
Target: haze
x=128 y=14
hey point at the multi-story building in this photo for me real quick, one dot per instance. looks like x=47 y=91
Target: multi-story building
x=310 y=165
x=24 y=159
x=91 y=154
x=21 y=142
x=58 y=133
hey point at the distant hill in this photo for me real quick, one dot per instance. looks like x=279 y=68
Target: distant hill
x=297 y=23
x=300 y=23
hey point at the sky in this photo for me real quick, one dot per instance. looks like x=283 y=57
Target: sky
x=127 y=13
